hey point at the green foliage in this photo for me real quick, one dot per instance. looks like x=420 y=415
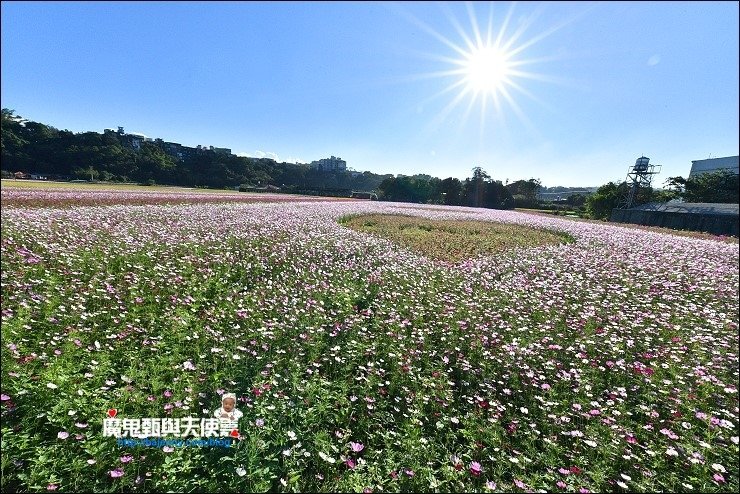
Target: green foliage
x=599 y=205
x=478 y=191
x=716 y=187
x=33 y=147
x=528 y=189
x=453 y=240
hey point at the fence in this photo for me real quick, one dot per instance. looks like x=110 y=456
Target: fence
x=718 y=224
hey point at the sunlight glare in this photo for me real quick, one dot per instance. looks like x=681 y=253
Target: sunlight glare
x=487 y=69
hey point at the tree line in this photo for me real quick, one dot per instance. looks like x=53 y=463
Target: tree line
x=33 y=147
x=716 y=187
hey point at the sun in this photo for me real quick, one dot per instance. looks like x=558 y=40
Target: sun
x=487 y=69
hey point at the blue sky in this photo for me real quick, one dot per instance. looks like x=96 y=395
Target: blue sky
x=591 y=86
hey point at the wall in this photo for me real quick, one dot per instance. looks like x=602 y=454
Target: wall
x=712 y=223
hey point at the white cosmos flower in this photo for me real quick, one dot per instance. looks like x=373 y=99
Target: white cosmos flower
x=326 y=457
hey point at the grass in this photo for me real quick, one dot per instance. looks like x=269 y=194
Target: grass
x=453 y=240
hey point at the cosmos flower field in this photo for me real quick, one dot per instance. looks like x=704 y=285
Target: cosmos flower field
x=605 y=363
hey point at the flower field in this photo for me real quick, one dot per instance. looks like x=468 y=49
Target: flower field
x=605 y=363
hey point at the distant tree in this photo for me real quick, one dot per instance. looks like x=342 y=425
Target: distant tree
x=474 y=188
x=449 y=191
x=599 y=205
x=716 y=187
x=12 y=141
x=576 y=200
x=527 y=191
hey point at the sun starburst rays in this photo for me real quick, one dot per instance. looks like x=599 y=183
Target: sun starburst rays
x=488 y=65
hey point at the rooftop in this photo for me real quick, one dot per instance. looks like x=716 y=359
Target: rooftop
x=692 y=207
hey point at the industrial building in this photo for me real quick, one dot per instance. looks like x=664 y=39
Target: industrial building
x=729 y=163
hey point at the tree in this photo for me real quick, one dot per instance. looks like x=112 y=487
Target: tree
x=449 y=191
x=599 y=205
x=527 y=190
x=475 y=187
x=717 y=187
x=576 y=200
x=12 y=140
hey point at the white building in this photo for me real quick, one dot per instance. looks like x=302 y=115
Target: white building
x=330 y=164
x=699 y=167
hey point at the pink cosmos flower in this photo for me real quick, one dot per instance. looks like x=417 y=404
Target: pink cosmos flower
x=475 y=468
x=52 y=487
x=118 y=472
x=356 y=447
x=63 y=435
x=719 y=478
x=350 y=463
x=126 y=458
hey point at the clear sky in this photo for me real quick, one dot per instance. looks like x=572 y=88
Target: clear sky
x=567 y=92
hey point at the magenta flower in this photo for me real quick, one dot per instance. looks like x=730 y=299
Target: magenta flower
x=719 y=478
x=126 y=458
x=118 y=472
x=52 y=487
x=356 y=447
x=4 y=397
x=350 y=463
x=475 y=468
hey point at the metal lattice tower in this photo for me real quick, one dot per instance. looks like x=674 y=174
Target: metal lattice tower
x=639 y=175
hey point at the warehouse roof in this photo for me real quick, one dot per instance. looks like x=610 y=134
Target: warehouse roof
x=691 y=207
